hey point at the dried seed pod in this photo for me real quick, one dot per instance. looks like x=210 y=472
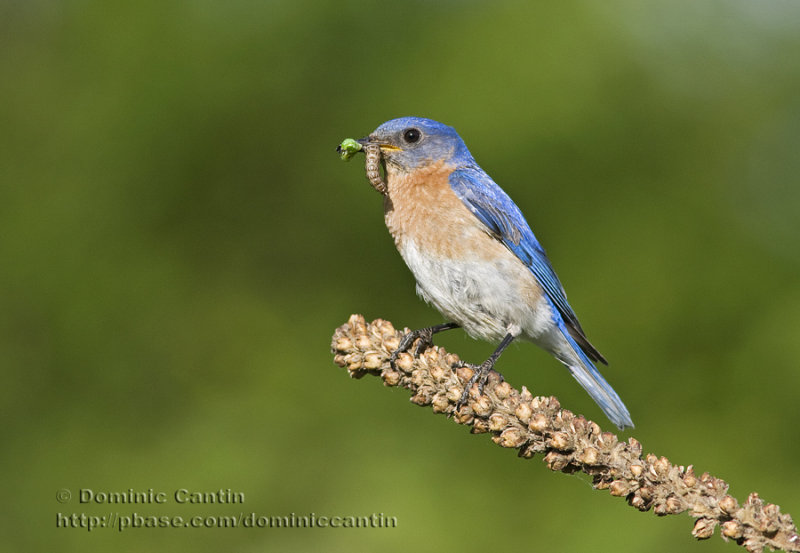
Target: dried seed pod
x=392 y=342
x=638 y=502
x=502 y=390
x=607 y=440
x=453 y=395
x=647 y=493
x=479 y=426
x=344 y=344
x=424 y=396
x=482 y=406
x=674 y=505
x=704 y=528
x=390 y=377
x=510 y=437
x=497 y=422
x=440 y=403
x=661 y=467
x=555 y=461
x=538 y=423
x=559 y=441
x=590 y=456
x=373 y=164
x=732 y=529
x=372 y=360
x=619 y=488
x=405 y=362
x=437 y=373
x=728 y=505
x=363 y=343
x=523 y=412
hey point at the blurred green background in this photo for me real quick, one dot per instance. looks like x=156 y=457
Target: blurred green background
x=178 y=241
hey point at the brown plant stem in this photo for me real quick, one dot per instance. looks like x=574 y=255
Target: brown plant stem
x=569 y=443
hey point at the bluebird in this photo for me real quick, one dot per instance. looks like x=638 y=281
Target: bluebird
x=475 y=258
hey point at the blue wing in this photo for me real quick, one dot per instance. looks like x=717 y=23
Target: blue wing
x=492 y=206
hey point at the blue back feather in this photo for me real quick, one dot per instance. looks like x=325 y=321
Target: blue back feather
x=489 y=203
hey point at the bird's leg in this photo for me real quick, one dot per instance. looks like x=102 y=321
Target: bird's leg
x=425 y=336
x=481 y=372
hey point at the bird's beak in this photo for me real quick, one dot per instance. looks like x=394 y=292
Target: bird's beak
x=385 y=147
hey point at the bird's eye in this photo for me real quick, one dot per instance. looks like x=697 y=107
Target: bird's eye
x=411 y=135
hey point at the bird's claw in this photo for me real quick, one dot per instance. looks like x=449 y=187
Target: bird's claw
x=425 y=336
x=480 y=375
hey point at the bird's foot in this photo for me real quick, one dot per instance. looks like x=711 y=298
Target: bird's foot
x=480 y=375
x=425 y=336
x=481 y=372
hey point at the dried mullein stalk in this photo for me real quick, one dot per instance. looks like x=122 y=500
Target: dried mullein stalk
x=568 y=442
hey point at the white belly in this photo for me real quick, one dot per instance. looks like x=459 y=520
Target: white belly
x=489 y=299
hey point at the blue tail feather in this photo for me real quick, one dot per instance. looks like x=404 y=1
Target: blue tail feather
x=593 y=382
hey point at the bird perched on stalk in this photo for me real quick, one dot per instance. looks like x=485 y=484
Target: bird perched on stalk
x=474 y=256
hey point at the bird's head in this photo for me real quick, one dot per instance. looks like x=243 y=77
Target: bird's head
x=411 y=142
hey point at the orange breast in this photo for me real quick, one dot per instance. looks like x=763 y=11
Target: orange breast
x=422 y=207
